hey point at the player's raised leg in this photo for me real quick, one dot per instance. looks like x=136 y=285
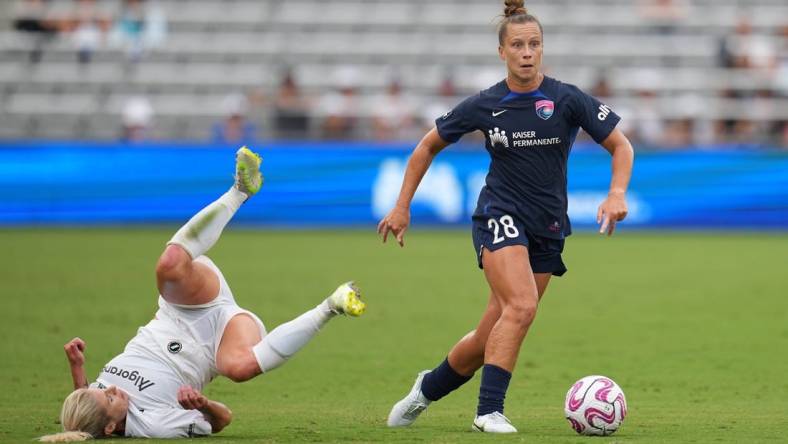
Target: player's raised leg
x=242 y=354
x=180 y=279
x=508 y=271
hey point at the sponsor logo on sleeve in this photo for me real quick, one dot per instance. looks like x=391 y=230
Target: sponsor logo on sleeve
x=603 y=112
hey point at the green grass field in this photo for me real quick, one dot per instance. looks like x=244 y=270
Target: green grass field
x=694 y=327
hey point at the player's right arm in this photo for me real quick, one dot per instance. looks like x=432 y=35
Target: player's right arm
x=216 y=413
x=398 y=219
x=75 y=349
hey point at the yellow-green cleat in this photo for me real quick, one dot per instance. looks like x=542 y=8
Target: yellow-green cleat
x=248 y=179
x=347 y=300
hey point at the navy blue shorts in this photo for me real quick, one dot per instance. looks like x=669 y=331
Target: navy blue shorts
x=494 y=232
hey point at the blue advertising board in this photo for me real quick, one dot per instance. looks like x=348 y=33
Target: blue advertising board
x=336 y=185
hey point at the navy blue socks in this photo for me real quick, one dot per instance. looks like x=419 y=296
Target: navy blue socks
x=441 y=381
x=495 y=382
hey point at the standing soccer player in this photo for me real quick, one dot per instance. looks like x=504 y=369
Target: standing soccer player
x=530 y=122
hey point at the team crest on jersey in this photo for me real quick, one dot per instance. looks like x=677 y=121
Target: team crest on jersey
x=545 y=109
x=174 y=347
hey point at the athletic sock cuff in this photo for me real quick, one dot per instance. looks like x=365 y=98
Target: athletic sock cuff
x=495 y=383
x=441 y=381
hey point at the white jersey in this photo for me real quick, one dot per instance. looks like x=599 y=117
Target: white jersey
x=178 y=347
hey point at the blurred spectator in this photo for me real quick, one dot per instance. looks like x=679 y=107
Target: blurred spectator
x=140 y=26
x=664 y=16
x=137 y=119
x=725 y=127
x=291 y=110
x=235 y=129
x=746 y=50
x=750 y=119
x=781 y=75
x=34 y=18
x=783 y=134
x=678 y=133
x=757 y=128
x=340 y=110
x=446 y=99
x=392 y=114
x=649 y=129
x=601 y=88
x=89 y=23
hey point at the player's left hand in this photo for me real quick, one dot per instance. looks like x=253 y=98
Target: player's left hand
x=191 y=399
x=612 y=210
x=75 y=352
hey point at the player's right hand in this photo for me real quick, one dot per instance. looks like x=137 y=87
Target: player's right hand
x=75 y=349
x=191 y=399
x=396 y=222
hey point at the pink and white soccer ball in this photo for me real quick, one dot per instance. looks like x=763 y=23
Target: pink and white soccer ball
x=595 y=405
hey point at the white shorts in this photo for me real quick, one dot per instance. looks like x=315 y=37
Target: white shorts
x=187 y=337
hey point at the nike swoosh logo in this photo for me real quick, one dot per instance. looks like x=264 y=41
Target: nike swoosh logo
x=496 y=114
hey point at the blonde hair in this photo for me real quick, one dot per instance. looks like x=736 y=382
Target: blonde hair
x=82 y=418
x=514 y=11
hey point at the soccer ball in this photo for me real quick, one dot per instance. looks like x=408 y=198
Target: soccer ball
x=595 y=405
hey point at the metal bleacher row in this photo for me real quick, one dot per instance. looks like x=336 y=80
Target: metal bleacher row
x=220 y=46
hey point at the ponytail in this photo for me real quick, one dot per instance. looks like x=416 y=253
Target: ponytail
x=82 y=418
x=66 y=437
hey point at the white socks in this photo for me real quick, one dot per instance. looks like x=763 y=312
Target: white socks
x=201 y=233
x=203 y=230
x=285 y=340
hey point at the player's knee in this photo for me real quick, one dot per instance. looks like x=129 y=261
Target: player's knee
x=242 y=367
x=522 y=313
x=172 y=263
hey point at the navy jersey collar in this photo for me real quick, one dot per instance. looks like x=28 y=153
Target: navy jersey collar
x=535 y=94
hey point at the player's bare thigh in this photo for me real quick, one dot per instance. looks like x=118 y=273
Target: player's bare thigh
x=512 y=272
x=508 y=272
x=184 y=281
x=234 y=358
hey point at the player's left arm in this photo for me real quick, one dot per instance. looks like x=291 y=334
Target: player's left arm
x=216 y=413
x=614 y=207
x=75 y=353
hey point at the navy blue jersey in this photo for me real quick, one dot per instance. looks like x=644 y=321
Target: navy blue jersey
x=529 y=136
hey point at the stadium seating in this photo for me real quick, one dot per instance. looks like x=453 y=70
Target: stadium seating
x=217 y=47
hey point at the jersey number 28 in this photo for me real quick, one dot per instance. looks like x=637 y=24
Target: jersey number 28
x=509 y=230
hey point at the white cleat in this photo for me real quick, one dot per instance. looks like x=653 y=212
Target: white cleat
x=346 y=299
x=405 y=412
x=494 y=422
